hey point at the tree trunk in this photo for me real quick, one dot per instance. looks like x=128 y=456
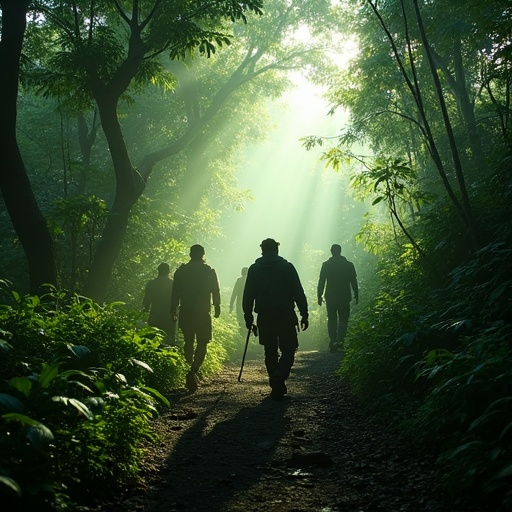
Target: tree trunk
x=459 y=173
x=86 y=139
x=130 y=182
x=129 y=187
x=26 y=217
x=458 y=86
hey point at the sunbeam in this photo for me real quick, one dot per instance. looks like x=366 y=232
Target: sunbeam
x=296 y=199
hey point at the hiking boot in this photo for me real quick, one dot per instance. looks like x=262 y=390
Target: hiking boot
x=279 y=388
x=191 y=381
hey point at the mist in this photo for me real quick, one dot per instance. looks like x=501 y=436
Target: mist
x=297 y=201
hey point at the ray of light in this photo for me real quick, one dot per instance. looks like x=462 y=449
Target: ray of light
x=296 y=200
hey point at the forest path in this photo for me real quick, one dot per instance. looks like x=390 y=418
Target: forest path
x=230 y=447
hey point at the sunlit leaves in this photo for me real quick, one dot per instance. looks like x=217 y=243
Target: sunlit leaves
x=335 y=157
x=22 y=384
x=72 y=59
x=142 y=364
x=77 y=404
x=193 y=37
x=154 y=73
x=312 y=141
x=91 y=41
x=10 y=483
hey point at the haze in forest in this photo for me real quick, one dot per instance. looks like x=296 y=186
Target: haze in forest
x=296 y=199
x=143 y=127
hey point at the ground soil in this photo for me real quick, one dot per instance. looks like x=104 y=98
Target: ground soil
x=229 y=447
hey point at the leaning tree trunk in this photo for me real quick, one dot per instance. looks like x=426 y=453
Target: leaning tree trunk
x=130 y=182
x=129 y=187
x=19 y=199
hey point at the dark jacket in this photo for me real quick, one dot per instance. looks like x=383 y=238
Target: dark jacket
x=157 y=300
x=340 y=275
x=273 y=285
x=195 y=288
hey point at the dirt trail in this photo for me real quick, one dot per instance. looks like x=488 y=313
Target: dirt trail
x=229 y=447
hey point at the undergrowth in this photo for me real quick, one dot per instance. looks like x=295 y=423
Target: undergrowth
x=79 y=386
x=438 y=365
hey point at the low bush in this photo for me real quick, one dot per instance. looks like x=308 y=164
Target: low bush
x=79 y=385
x=437 y=365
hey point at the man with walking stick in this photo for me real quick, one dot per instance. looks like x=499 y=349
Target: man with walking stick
x=272 y=290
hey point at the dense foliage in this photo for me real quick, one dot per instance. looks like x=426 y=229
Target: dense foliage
x=427 y=91
x=80 y=385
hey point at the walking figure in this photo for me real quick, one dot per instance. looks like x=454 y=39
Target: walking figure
x=195 y=288
x=272 y=290
x=341 y=278
x=157 y=300
x=236 y=297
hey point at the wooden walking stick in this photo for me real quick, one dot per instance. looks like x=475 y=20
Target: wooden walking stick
x=251 y=329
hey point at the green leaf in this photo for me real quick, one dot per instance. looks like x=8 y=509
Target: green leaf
x=121 y=378
x=95 y=404
x=462 y=448
x=81 y=385
x=505 y=472
x=157 y=394
x=72 y=373
x=22 y=384
x=77 y=404
x=48 y=373
x=79 y=351
x=81 y=408
x=20 y=418
x=9 y=482
x=482 y=419
x=142 y=364
x=40 y=437
x=501 y=401
x=38 y=434
x=10 y=403
x=5 y=346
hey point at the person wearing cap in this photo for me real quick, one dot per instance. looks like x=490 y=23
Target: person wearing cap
x=236 y=297
x=339 y=279
x=272 y=290
x=195 y=288
x=157 y=300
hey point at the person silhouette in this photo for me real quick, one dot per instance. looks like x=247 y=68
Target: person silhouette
x=195 y=288
x=237 y=295
x=157 y=301
x=339 y=279
x=272 y=290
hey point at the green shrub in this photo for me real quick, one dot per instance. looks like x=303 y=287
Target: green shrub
x=371 y=358
x=223 y=346
x=436 y=363
x=76 y=398
x=468 y=413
